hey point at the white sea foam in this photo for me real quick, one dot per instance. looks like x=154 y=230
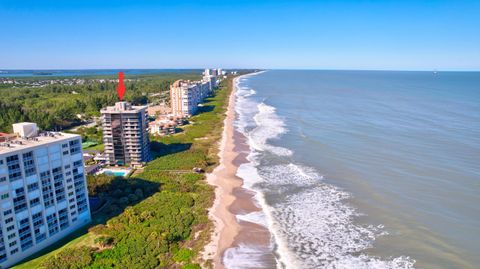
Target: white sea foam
x=246 y=111
x=249 y=173
x=269 y=126
x=246 y=256
x=257 y=217
x=315 y=225
x=311 y=221
x=283 y=175
x=318 y=226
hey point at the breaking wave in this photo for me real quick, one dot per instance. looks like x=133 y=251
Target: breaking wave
x=312 y=223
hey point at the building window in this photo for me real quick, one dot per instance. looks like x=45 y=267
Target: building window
x=4 y=196
x=29 y=164
x=37 y=220
x=63 y=218
x=40 y=237
x=75 y=147
x=14 y=251
x=20 y=191
x=10 y=236
x=47 y=189
x=14 y=172
x=24 y=222
x=34 y=202
x=82 y=204
x=12 y=158
x=19 y=202
x=52 y=224
x=3 y=179
x=7 y=212
x=28 y=244
x=32 y=187
x=36 y=216
x=7 y=221
x=58 y=184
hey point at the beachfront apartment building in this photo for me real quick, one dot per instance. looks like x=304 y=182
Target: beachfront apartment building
x=185 y=96
x=210 y=72
x=210 y=76
x=214 y=72
x=211 y=82
x=43 y=191
x=125 y=134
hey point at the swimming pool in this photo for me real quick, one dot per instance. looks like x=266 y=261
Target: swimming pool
x=115 y=172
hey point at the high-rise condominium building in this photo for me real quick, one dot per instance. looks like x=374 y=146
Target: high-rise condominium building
x=186 y=95
x=208 y=72
x=125 y=134
x=210 y=77
x=43 y=192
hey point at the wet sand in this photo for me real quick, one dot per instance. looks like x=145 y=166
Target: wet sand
x=231 y=199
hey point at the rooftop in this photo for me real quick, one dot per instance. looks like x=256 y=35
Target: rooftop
x=123 y=107
x=17 y=143
x=180 y=83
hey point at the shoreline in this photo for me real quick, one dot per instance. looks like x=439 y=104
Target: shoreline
x=232 y=232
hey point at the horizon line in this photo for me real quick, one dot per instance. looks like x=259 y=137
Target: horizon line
x=247 y=68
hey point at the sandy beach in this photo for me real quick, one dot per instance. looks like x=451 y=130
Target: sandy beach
x=231 y=199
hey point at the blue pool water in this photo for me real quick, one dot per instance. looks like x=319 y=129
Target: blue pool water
x=115 y=173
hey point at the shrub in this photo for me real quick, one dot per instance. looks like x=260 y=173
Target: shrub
x=183 y=255
x=70 y=258
x=192 y=266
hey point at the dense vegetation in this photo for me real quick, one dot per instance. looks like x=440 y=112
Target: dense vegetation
x=167 y=225
x=56 y=106
x=114 y=194
x=92 y=136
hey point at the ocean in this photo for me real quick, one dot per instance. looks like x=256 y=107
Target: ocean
x=365 y=169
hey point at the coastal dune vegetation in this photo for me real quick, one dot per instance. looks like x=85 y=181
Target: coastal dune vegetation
x=157 y=218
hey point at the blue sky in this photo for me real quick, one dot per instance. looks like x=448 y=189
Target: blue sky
x=394 y=35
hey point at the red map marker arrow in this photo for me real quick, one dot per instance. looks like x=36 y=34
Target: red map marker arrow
x=121 y=86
